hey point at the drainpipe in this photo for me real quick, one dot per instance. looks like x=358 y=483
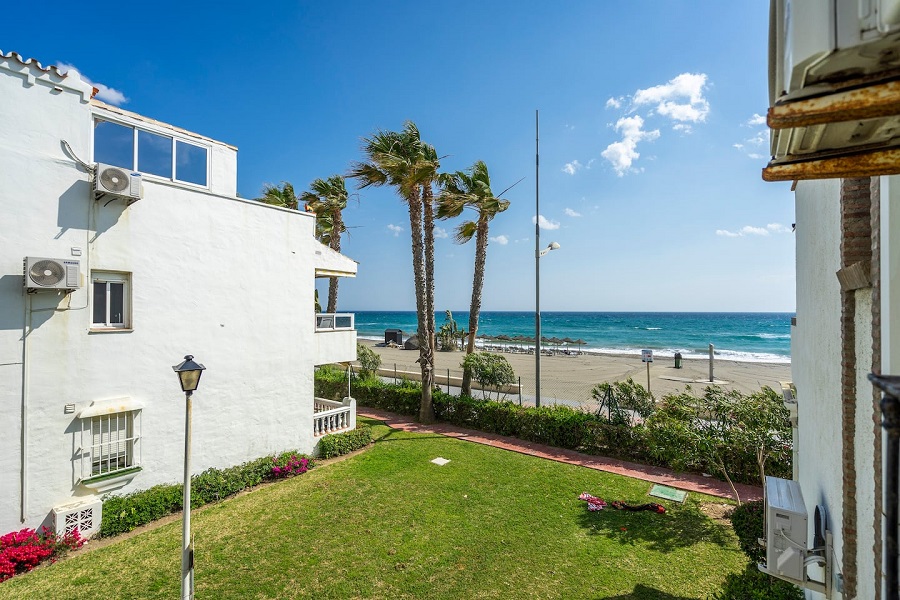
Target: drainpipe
x=26 y=332
x=890 y=410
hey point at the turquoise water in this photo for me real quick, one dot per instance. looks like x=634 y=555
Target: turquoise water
x=746 y=337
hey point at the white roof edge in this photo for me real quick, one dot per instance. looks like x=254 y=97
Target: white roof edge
x=109 y=407
x=33 y=71
x=331 y=262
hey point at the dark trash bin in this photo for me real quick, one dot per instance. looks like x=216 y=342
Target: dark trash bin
x=678 y=360
x=393 y=335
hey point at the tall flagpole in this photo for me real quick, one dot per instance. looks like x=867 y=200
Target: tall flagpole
x=537 y=264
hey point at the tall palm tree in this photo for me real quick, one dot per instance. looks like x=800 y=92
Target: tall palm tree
x=471 y=189
x=327 y=198
x=280 y=195
x=429 y=175
x=400 y=159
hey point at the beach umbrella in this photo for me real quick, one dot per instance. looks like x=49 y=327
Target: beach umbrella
x=580 y=342
x=567 y=341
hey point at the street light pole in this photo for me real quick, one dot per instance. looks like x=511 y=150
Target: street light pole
x=189 y=373
x=537 y=263
x=187 y=550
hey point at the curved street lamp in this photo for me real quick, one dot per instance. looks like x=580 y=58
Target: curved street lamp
x=189 y=373
x=537 y=320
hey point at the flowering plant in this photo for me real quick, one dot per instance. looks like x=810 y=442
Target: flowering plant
x=21 y=551
x=286 y=466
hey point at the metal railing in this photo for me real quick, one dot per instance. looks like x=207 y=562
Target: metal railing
x=334 y=321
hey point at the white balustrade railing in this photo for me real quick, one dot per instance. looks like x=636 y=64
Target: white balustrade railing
x=334 y=321
x=330 y=416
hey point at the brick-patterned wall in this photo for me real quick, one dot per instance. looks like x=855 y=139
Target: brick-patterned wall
x=856 y=246
x=875 y=275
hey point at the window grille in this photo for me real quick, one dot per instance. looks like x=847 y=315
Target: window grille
x=110 y=443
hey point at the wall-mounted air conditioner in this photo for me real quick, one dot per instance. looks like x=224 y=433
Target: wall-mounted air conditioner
x=115 y=182
x=833 y=88
x=787 y=531
x=83 y=516
x=52 y=274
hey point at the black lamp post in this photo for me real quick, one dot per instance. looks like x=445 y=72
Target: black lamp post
x=189 y=377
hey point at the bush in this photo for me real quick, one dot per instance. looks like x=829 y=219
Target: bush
x=369 y=361
x=338 y=444
x=21 y=551
x=490 y=370
x=747 y=521
x=623 y=400
x=753 y=584
x=125 y=513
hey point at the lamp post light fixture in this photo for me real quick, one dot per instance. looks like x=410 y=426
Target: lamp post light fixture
x=537 y=320
x=189 y=373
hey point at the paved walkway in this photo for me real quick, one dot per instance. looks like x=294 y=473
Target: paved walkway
x=684 y=481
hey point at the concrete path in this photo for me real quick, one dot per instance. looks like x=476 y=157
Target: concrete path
x=683 y=481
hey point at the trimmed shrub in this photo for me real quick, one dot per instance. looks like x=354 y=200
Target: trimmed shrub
x=753 y=584
x=125 y=513
x=369 y=361
x=338 y=444
x=747 y=520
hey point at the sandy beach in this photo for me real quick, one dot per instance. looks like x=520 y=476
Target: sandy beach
x=571 y=378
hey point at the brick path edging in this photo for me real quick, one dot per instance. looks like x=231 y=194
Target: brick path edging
x=683 y=481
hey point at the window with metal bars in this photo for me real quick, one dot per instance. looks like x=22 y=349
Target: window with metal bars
x=110 y=443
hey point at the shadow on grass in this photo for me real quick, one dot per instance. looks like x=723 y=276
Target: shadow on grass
x=679 y=527
x=642 y=592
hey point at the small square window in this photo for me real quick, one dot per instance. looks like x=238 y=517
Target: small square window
x=114 y=144
x=110 y=443
x=190 y=163
x=154 y=154
x=111 y=300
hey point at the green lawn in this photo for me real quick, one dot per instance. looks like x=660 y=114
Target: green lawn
x=388 y=523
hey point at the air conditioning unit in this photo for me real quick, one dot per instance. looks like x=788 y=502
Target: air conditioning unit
x=52 y=274
x=83 y=516
x=786 y=529
x=833 y=88
x=117 y=183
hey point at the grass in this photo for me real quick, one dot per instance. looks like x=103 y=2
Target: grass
x=387 y=523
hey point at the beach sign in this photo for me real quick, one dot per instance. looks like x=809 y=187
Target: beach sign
x=647 y=356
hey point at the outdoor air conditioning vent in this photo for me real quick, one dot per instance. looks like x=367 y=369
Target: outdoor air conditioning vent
x=84 y=517
x=117 y=183
x=52 y=274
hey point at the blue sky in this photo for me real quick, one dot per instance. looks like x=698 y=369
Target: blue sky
x=651 y=141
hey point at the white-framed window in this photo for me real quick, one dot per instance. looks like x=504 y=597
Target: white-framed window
x=111 y=295
x=150 y=152
x=110 y=441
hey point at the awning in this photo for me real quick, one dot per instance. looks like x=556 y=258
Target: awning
x=109 y=407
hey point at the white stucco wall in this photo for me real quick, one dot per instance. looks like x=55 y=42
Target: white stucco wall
x=230 y=281
x=864 y=443
x=816 y=350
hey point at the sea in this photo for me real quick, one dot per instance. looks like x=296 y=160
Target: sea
x=742 y=337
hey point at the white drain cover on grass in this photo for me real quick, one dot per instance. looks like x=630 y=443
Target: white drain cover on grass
x=440 y=461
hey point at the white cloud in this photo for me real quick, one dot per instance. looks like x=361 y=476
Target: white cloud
x=738 y=146
x=572 y=167
x=500 y=239
x=440 y=233
x=590 y=162
x=572 y=213
x=755 y=120
x=752 y=230
x=683 y=127
x=614 y=103
x=756 y=156
x=105 y=93
x=396 y=229
x=545 y=223
x=623 y=153
x=680 y=99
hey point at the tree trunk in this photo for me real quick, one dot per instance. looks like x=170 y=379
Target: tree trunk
x=481 y=243
x=428 y=226
x=721 y=464
x=337 y=225
x=426 y=353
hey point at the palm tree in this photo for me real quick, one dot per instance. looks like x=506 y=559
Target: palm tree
x=400 y=159
x=429 y=175
x=280 y=195
x=471 y=189
x=327 y=198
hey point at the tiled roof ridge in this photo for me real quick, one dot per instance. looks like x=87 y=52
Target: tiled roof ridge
x=32 y=62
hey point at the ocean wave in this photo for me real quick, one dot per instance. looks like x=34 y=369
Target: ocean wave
x=732 y=355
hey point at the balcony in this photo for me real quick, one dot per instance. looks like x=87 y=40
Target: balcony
x=335 y=338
